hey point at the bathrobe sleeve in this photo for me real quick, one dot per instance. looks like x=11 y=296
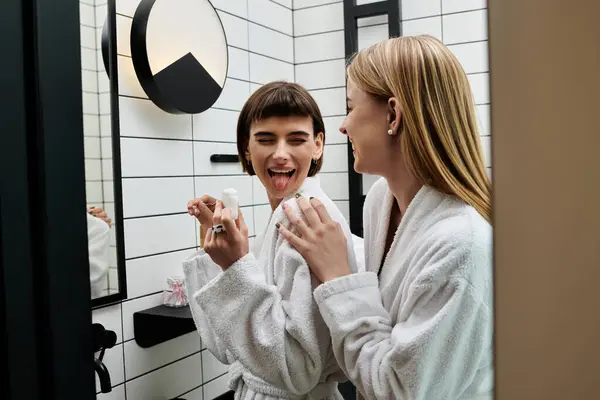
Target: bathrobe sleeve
x=274 y=331
x=98 y=248
x=199 y=269
x=434 y=349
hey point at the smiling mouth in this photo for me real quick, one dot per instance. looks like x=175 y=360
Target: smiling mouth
x=281 y=177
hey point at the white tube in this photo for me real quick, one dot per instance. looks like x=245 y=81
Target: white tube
x=230 y=200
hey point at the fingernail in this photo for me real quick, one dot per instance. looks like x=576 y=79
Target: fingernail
x=298 y=195
x=284 y=206
x=311 y=198
x=277 y=225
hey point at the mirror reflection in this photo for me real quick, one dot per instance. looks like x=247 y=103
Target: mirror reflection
x=97 y=131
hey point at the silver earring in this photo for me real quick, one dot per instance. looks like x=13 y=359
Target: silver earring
x=390 y=132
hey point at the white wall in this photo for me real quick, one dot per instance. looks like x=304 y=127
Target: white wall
x=165 y=162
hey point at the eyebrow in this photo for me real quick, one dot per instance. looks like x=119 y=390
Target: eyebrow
x=293 y=133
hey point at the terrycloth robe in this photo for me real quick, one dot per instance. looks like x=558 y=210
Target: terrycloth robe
x=260 y=316
x=422 y=328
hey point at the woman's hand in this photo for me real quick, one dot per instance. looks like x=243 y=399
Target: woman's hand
x=100 y=213
x=322 y=242
x=203 y=209
x=227 y=247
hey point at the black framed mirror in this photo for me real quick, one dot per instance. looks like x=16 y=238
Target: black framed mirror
x=101 y=130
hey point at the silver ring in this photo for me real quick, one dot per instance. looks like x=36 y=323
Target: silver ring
x=218 y=229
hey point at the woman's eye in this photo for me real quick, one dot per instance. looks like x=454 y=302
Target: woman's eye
x=265 y=141
x=298 y=140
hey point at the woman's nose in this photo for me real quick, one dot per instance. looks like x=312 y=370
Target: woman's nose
x=281 y=152
x=343 y=130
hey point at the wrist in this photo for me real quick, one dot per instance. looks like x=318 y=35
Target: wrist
x=336 y=273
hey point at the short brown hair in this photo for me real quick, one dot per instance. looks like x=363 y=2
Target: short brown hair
x=277 y=99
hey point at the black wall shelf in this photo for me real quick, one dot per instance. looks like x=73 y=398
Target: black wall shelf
x=161 y=323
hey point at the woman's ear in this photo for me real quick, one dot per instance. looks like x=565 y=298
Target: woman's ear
x=319 y=142
x=394 y=115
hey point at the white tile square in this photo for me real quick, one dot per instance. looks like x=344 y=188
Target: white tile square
x=145 y=236
x=253 y=87
x=91 y=125
x=420 y=8
x=465 y=27
x=129 y=84
x=139 y=360
x=326 y=46
x=145 y=157
x=234 y=95
x=285 y=3
x=264 y=69
x=86 y=14
x=268 y=13
x=480 y=86
x=123 y=35
x=104 y=103
x=106 y=147
x=236 y=7
x=259 y=191
x=141 y=118
x=262 y=214
x=91 y=147
x=483 y=117
x=319 y=19
x=196 y=394
x=322 y=74
x=299 y=4
x=98 y=36
x=89 y=81
x=215 y=125
x=424 y=26
x=117 y=393
x=335 y=185
x=167 y=382
x=149 y=274
x=451 y=6
x=332 y=130
x=472 y=56
x=336 y=159
x=90 y=103
x=88 y=37
x=103 y=81
x=238 y=66
x=126 y=7
x=150 y=196
x=107 y=168
x=486 y=144
x=93 y=193
x=108 y=187
x=211 y=367
x=368 y=21
x=368 y=36
x=331 y=101
x=131 y=306
x=214 y=186
x=105 y=125
x=344 y=207
x=203 y=165
x=270 y=43
x=216 y=387
x=110 y=318
x=101 y=13
x=93 y=170
x=88 y=59
x=236 y=30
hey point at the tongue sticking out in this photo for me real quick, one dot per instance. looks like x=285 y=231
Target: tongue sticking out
x=281 y=180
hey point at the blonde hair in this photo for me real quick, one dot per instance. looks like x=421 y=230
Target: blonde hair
x=438 y=125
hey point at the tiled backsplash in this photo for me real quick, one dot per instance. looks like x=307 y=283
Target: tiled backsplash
x=165 y=162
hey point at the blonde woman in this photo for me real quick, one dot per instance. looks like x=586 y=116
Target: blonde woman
x=418 y=323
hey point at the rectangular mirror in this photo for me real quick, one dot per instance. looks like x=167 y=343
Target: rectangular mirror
x=101 y=142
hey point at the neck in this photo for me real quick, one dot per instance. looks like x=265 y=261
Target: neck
x=404 y=187
x=274 y=202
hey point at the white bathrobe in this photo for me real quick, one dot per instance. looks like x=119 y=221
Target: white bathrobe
x=423 y=329
x=260 y=315
x=98 y=250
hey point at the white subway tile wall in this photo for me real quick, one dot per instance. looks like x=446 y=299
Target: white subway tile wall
x=165 y=162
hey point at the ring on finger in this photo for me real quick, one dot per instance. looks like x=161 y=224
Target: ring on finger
x=218 y=229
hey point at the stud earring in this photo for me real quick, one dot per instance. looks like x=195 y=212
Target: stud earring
x=390 y=132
